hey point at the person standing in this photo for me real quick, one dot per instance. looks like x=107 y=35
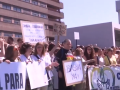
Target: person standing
x=61 y=54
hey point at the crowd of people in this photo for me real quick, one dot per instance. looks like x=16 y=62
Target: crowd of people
x=53 y=55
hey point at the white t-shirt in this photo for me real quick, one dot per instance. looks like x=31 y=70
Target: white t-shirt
x=24 y=59
x=48 y=62
x=101 y=60
x=46 y=59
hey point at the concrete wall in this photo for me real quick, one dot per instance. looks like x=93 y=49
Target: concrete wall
x=101 y=34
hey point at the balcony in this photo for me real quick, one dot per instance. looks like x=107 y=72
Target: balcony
x=53 y=3
x=17 y=29
x=49 y=33
x=54 y=20
x=56 y=13
x=56 y=1
x=26 y=17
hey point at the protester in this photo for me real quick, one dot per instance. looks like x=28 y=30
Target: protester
x=96 y=51
x=49 y=62
x=89 y=54
x=118 y=54
x=25 y=51
x=99 y=59
x=53 y=49
x=19 y=42
x=110 y=59
x=11 y=54
x=39 y=55
x=2 y=53
x=62 y=56
x=10 y=40
x=114 y=52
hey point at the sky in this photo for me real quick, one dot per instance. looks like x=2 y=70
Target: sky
x=87 y=12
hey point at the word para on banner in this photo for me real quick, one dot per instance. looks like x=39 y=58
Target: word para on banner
x=14 y=80
x=104 y=78
x=13 y=76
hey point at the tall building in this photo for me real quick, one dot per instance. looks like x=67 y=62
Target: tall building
x=118 y=9
x=12 y=11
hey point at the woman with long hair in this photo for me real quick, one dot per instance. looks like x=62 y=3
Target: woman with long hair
x=110 y=58
x=89 y=54
x=99 y=58
x=11 y=54
x=25 y=51
x=40 y=55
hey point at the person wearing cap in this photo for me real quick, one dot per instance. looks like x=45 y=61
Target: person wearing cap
x=110 y=59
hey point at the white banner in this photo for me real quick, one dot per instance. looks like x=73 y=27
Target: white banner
x=12 y=76
x=73 y=72
x=104 y=78
x=33 y=32
x=37 y=74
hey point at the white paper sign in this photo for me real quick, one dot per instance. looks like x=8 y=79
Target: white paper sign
x=37 y=74
x=76 y=36
x=73 y=72
x=104 y=78
x=12 y=76
x=33 y=32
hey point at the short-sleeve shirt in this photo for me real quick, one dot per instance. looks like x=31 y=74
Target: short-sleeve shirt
x=112 y=60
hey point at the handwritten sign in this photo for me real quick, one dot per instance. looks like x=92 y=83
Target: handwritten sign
x=12 y=76
x=33 y=32
x=104 y=78
x=60 y=29
x=73 y=72
x=37 y=74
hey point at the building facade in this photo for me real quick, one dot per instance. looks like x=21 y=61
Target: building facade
x=103 y=34
x=12 y=11
x=118 y=9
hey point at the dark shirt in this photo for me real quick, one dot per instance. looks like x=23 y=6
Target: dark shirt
x=61 y=55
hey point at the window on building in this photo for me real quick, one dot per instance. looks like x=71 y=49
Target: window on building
x=27 y=11
x=7 y=34
x=18 y=35
x=7 y=20
x=16 y=21
x=34 y=2
x=5 y=6
x=35 y=14
x=43 y=5
x=43 y=15
x=26 y=1
x=17 y=9
x=46 y=26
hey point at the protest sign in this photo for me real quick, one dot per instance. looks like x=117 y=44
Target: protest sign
x=12 y=76
x=60 y=29
x=73 y=72
x=33 y=32
x=37 y=74
x=104 y=78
